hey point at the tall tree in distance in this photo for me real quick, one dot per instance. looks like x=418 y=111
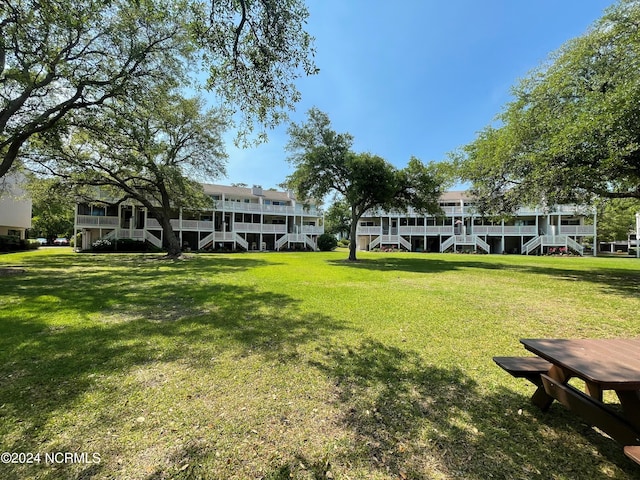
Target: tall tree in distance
x=61 y=56
x=325 y=163
x=337 y=219
x=617 y=218
x=571 y=132
x=53 y=207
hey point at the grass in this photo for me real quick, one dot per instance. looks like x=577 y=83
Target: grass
x=280 y=366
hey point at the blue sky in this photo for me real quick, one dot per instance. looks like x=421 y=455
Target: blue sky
x=416 y=77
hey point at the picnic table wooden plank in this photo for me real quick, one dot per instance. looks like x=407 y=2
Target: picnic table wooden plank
x=633 y=452
x=523 y=366
x=612 y=364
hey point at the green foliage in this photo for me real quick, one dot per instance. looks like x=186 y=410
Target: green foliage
x=63 y=56
x=337 y=219
x=617 y=218
x=53 y=208
x=11 y=243
x=120 y=245
x=327 y=242
x=572 y=130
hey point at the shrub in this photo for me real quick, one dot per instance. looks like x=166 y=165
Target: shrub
x=102 y=245
x=11 y=243
x=343 y=243
x=327 y=242
x=130 y=245
x=120 y=245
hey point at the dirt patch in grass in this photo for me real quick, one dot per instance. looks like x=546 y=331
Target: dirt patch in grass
x=8 y=271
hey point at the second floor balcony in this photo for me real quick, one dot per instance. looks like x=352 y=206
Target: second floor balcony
x=97 y=221
x=247 y=207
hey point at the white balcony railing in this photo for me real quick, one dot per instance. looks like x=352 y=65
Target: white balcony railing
x=95 y=221
x=412 y=230
x=487 y=230
x=370 y=230
x=261 y=208
x=586 y=230
x=506 y=230
x=312 y=230
x=259 y=228
x=269 y=228
x=426 y=230
x=247 y=227
x=408 y=230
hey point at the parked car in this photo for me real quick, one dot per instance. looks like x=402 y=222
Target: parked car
x=41 y=241
x=61 y=241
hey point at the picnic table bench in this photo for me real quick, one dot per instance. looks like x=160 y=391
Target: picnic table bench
x=602 y=364
x=524 y=367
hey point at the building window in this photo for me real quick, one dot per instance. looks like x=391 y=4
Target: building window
x=98 y=211
x=570 y=221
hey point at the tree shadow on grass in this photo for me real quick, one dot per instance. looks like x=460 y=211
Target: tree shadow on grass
x=128 y=315
x=622 y=281
x=414 y=420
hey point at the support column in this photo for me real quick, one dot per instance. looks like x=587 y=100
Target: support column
x=638 y=235
x=180 y=225
x=595 y=232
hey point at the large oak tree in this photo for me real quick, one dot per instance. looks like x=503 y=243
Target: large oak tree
x=324 y=163
x=149 y=152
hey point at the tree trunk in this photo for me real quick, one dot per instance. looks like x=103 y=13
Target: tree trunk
x=169 y=240
x=352 y=236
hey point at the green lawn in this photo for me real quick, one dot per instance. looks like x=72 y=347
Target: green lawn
x=291 y=365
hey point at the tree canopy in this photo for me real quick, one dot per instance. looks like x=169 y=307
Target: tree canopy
x=572 y=130
x=60 y=56
x=325 y=163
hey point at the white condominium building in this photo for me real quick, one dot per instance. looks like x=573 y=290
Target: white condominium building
x=239 y=218
x=460 y=228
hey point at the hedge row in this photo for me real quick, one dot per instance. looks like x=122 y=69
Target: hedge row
x=11 y=243
x=121 y=245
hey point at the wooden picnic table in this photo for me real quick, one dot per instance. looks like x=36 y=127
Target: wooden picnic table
x=602 y=364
